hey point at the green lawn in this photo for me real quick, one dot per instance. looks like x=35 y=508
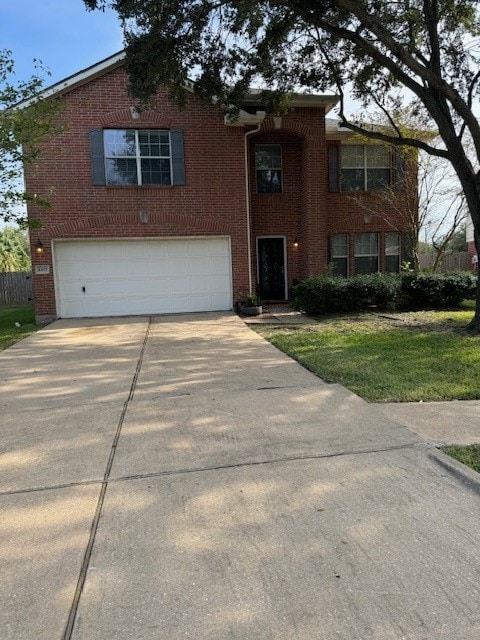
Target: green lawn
x=469 y=455
x=9 y=333
x=392 y=357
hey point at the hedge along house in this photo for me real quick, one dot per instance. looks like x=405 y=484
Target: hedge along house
x=162 y=210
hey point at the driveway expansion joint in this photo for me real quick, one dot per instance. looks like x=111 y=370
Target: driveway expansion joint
x=52 y=487
x=253 y=463
x=67 y=635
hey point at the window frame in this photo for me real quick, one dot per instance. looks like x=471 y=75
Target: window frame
x=138 y=158
x=273 y=168
x=367 y=255
x=397 y=255
x=345 y=257
x=365 y=168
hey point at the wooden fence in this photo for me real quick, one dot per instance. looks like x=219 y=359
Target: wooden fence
x=457 y=260
x=16 y=288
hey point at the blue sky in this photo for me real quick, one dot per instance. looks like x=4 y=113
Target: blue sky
x=61 y=33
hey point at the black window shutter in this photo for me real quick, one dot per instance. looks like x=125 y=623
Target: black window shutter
x=333 y=167
x=97 y=157
x=178 y=159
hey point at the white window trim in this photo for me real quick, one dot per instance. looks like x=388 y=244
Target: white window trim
x=139 y=157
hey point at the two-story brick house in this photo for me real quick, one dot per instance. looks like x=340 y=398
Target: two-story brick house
x=162 y=210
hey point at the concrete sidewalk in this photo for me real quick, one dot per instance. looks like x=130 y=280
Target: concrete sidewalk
x=182 y=478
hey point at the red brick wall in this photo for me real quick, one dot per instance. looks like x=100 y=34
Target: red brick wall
x=211 y=203
x=306 y=210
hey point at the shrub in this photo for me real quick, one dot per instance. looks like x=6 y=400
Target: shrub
x=372 y=289
x=319 y=295
x=437 y=290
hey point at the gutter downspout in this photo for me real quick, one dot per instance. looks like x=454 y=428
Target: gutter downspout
x=247 y=194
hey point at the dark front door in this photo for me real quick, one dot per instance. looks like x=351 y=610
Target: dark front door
x=271 y=268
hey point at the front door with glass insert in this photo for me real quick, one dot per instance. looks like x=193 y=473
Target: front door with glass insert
x=271 y=268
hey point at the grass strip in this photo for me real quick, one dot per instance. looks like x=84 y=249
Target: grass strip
x=10 y=317
x=469 y=455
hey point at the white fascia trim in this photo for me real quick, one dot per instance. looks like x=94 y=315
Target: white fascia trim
x=243 y=118
x=77 y=79
x=83 y=77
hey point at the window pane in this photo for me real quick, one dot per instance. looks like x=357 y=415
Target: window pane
x=366 y=264
x=268 y=156
x=392 y=244
x=338 y=245
x=392 y=252
x=353 y=180
x=154 y=143
x=121 y=171
x=378 y=157
x=392 y=264
x=366 y=244
x=155 y=171
x=339 y=254
x=377 y=179
x=269 y=181
x=119 y=142
x=340 y=267
x=353 y=156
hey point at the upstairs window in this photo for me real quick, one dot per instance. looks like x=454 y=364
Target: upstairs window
x=268 y=167
x=365 y=167
x=138 y=157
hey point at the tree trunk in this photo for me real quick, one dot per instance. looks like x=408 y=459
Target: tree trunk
x=474 y=324
x=471 y=188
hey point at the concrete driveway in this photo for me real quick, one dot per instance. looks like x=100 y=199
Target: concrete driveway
x=181 y=478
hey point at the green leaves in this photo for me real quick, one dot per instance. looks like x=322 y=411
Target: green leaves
x=14 y=250
x=22 y=131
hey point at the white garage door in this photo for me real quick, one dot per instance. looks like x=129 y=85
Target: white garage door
x=129 y=277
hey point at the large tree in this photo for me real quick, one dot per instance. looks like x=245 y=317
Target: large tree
x=425 y=52
x=22 y=130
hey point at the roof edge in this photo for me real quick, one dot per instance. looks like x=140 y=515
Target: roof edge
x=117 y=59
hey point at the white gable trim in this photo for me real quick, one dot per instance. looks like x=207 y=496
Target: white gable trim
x=77 y=79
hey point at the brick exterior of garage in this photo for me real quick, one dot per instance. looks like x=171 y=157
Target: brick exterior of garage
x=213 y=200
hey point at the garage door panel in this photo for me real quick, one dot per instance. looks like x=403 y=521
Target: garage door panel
x=142 y=277
x=219 y=283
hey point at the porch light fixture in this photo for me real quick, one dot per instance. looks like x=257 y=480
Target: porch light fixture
x=143 y=215
x=39 y=247
x=295 y=243
x=367 y=217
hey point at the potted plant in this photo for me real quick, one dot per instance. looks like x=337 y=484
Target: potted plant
x=251 y=305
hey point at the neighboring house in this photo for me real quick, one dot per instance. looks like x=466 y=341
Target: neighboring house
x=165 y=210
